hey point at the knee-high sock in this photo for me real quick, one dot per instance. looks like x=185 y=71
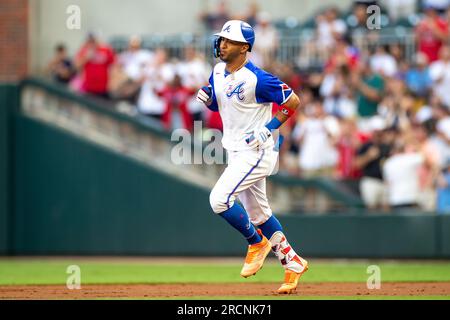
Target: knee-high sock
x=238 y=218
x=271 y=226
x=289 y=259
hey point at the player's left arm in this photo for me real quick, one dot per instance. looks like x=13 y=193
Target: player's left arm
x=270 y=89
x=285 y=112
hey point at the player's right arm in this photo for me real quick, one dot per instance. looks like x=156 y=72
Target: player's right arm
x=207 y=95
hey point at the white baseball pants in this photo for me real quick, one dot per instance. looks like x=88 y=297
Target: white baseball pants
x=245 y=177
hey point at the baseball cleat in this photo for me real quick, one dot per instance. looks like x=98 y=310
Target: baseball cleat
x=256 y=254
x=291 y=278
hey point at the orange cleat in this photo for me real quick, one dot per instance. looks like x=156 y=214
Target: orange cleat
x=291 y=278
x=256 y=254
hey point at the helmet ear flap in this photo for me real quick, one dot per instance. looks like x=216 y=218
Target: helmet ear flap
x=216 y=47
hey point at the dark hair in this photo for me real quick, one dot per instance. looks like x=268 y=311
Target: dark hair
x=60 y=47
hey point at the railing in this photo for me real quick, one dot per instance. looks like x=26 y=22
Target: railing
x=299 y=49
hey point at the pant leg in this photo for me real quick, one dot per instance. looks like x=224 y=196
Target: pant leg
x=255 y=202
x=245 y=168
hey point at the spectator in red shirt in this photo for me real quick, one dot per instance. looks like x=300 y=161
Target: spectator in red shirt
x=431 y=33
x=348 y=143
x=93 y=61
x=176 y=97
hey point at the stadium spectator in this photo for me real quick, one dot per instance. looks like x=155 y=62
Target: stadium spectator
x=251 y=15
x=357 y=20
x=401 y=174
x=215 y=19
x=369 y=88
x=135 y=59
x=418 y=78
x=263 y=51
x=383 y=63
x=338 y=94
x=288 y=73
x=439 y=5
x=343 y=54
x=398 y=9
x=176 y=98
x=93 y=61
x=440 y=76
x=443 y=190
x=441 y=130
x=61 y=67
x=396 y=107
x=155 y=79
x=431 y=33
x=128 y=71
x=329 y=28
x=370 y=157
x=194 y=72
x=348 y=143
x=317 y=136
x=419 y=140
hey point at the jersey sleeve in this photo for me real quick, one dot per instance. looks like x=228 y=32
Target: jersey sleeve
x=271 y=89
x=214 y=106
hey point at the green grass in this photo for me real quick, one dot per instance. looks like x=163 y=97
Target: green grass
x=22 y=272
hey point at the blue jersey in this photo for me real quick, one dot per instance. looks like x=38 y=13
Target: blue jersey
x=244 y=100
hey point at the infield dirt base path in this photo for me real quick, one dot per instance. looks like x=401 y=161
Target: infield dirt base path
x=221 y=290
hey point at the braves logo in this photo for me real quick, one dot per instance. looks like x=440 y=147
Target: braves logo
x=238 y=91
x=227 y=29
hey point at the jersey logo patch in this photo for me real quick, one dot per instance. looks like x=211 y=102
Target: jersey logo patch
x=238 y=91
x=285 y=90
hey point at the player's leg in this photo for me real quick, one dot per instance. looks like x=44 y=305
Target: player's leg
x=256 y=204
x=243 y=170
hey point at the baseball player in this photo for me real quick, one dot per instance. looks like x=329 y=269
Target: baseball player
x=243 y=95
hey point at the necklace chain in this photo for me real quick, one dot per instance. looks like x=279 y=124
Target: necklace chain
x=233 y=72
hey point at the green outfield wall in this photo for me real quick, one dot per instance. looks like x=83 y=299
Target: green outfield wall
x=8 y=99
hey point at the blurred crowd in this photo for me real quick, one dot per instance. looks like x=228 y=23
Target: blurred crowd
x=370 y=118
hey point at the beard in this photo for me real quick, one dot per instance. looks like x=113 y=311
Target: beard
x=230 y=57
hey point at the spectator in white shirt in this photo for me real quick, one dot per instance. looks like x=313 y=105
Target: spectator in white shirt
x=194 y=72
x=263 y=51
x=156 y=77
x=126 y=75
x=401 y=174
x=329 y=28
x=317 y=136
x=383 y=63
x=440 y=76
x=400 y=8
x=338 y=94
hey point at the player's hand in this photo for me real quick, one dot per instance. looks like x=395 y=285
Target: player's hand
x=259 y=137
x=205 y=95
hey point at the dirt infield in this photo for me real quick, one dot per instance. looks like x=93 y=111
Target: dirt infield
x=221 y=290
